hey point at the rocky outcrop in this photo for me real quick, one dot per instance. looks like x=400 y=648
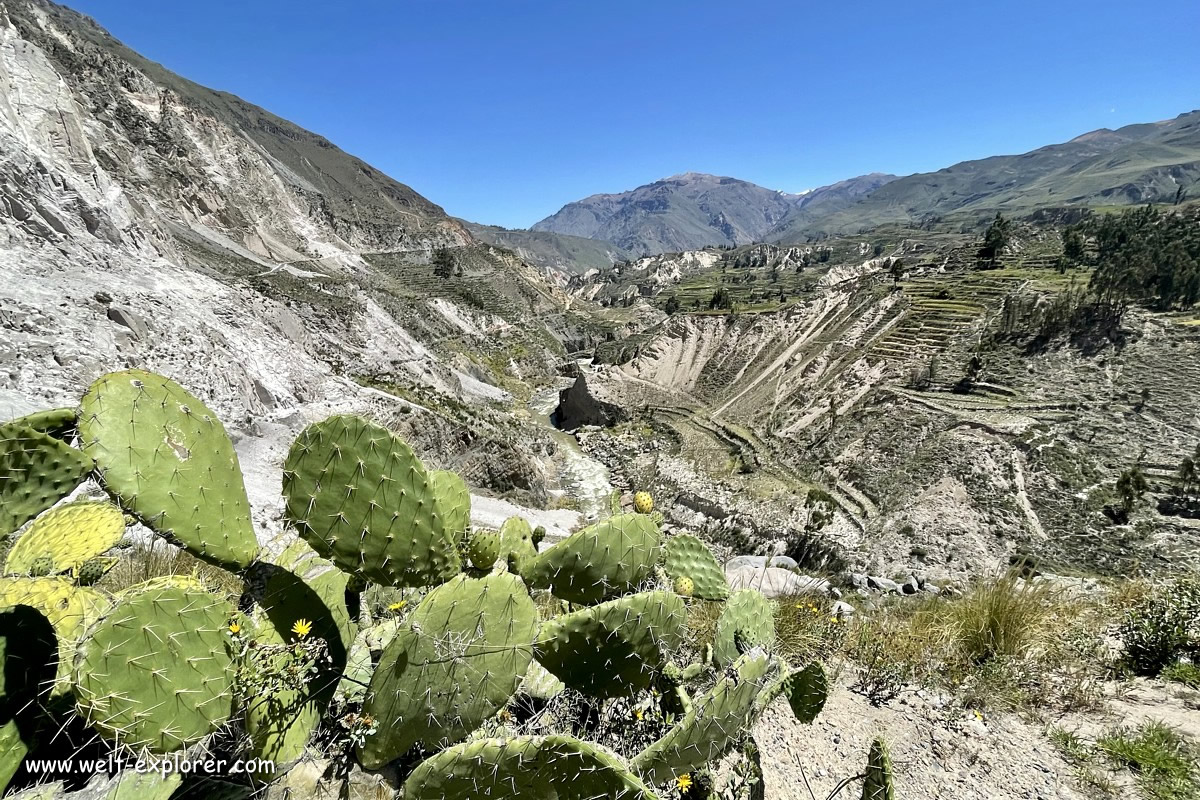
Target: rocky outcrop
x=578 y=405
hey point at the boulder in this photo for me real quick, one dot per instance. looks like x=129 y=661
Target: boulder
x=843 y=609
x=578 y=405
x=775 y=582
x=758 y=562
x=882 y=584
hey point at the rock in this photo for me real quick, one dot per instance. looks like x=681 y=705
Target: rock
x=882 y=584
x=700 y=505
x=931 y=589
x=911 y=586
x=858 y=580
x=775 y=582
x=314 y=780
x=577 y=406
x=758 y=562
x=129 y=319
x=843 y=609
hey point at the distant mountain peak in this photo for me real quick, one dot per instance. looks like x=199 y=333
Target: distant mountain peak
x=687 y=211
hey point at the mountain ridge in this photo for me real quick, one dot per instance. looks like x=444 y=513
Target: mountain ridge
x=692 y=210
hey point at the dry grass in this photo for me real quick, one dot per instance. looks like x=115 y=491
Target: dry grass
x=156 y=559
x=1005 y=644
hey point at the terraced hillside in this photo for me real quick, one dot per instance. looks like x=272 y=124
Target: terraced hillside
x=857 y=388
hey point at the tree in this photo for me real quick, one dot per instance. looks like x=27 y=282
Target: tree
x=672 y=304
x=878 y=249
x=1131 y=487
x=995 y=239
x=1188 y=474
x=896 y=270
x=444 y=263
x=1073 y=250
x=720 y=299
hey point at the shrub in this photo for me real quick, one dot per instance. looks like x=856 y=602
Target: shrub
x=1162 y=626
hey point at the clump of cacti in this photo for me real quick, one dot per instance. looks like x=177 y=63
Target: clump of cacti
x=383 y=614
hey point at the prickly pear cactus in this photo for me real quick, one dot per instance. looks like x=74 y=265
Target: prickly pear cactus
x=483 y=548
x=91 y=571
x=688 y=557
x=713 y=725
x=454 y=501
x=36 y=471
x=806 y=690
x=462 y=655
x=28 y=654
x=68 y=535
x=40 y=567
x=300 y=586
x=878 y=784
x=362 y=499
x=166 y=457
x=607 y=559
x=615 y=648
x=558 y=767
x=540 y=684
x=69 y=608
x=56 y=422
x=684 y=586
x=643 y=503
x=156 y=671
x=748 y=620
x=516 y=541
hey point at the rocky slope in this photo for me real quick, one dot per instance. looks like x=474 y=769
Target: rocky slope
x=1144 y=163
x=151 y=222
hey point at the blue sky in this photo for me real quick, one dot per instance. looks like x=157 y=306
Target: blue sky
x=501 y=111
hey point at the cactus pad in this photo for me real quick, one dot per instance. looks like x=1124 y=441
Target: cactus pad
x=461 y=656
x=607 y=559
x=36 y=471
x=643 y=503
x=715 y=722
x=878 y=784
x=362 y=499
x=748 y=620
x=300 y=586
x=807 y=690
x=28 y=654
x=69 y=608
x=483 y=548
x=156 y=671
x=541 y=684
x=68 y=535
x=166 y=457
x=91 y=571
x=558 y=767
x=516 y=541
x=615 y=648
x=453 y=500
x=58 y=423
x=688 y=557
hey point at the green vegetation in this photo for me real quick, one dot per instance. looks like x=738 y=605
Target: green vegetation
x=1161 y=760
x=286 y=667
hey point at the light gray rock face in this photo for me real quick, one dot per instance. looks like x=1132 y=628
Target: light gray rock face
x=148 y=222
x=775 y=582
x=740 y=562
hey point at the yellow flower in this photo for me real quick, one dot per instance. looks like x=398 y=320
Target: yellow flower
x=834 y=619
x=397 y=606
x=683 y=782
x=638 y=713
x=235 y=628
x=302 y=628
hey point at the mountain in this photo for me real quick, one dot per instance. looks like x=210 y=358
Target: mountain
x=152 y=222
x=1135 y=164
x=558 y=254
x=683 y=212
